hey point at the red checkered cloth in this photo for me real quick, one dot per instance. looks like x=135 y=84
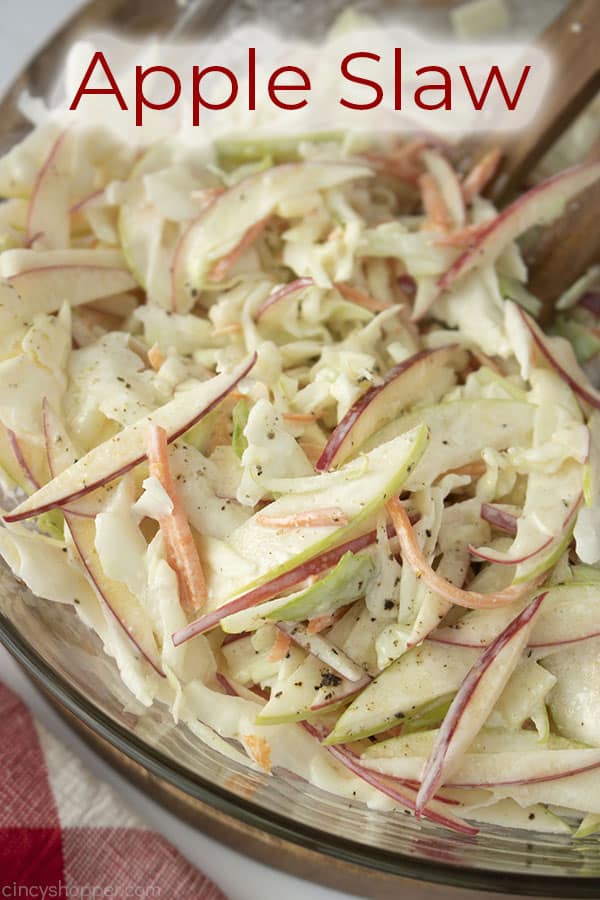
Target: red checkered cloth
x=65 y=834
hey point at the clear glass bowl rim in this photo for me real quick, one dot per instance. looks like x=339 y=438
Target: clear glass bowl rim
x=251 y=814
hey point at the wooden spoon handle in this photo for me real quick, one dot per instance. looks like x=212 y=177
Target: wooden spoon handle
x=572 y=43
x=568 y=247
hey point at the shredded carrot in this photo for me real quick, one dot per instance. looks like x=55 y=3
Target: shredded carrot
x=386 y=165
x=481 y=173
x=155 y=357
x=331 y=515
x=299 y=417
x=413 y=555
x=436 y=210
x=403 y=162
x=475 y=469
x=223 y=266
x=237 y=395
x=320 y=623
x=182 y=553
x=280 y=647
x=231 y=328
x=259 y=749
x=360 y=297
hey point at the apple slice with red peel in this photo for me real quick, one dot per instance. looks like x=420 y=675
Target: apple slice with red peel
x=45 y=279
x=48 y=214
x=21 y=460
x=292 y=287
x=403 y=385
x=497 y=769
x=88 y=508
x=405 y=795
x=560 y=355
x=509 y=558
x=570 y=615
x=298 y=554
x=420 y=682
x=475 y=699
x=500 y=517
x=221 y=225
x=314 y=566
x=10 y=462
x=127 y=449
x=542 y=204
x=124 y=606
x=343 y=584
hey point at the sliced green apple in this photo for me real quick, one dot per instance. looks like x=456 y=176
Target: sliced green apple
x=127 y=449
x=385 y=472
x=403 y=386
x=310 y=689
x=277 y=551
x=224 y=223
x=525 y=691
x=571 y=613
x=348 y=581
x=489 y=423
x=424 y=675
x=235 y=151
x=358 y=636
x=560 y=355
x=574 y=702
x=488 y=741
x=478 y=693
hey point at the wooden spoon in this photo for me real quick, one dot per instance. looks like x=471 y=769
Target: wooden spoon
x=571 y=244
x=572 y=42
x=567 y=248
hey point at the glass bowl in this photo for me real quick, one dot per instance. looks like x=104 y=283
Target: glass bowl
x=382 y=852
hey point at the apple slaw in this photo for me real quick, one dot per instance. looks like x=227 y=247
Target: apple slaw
x=278 y=422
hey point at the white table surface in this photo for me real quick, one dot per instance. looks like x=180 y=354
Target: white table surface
x=25 y=25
